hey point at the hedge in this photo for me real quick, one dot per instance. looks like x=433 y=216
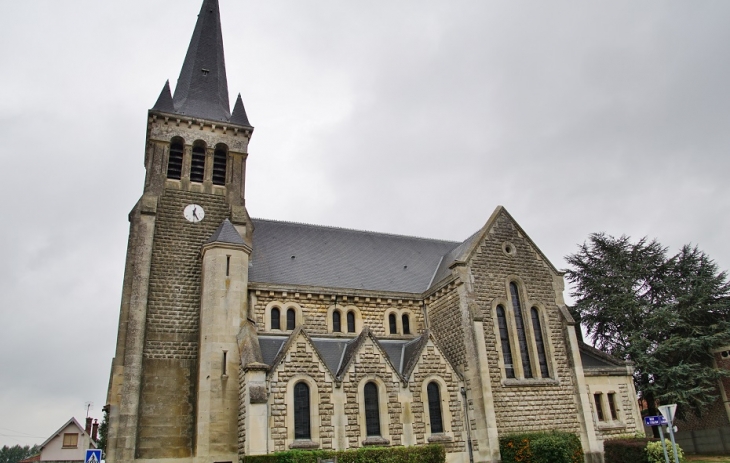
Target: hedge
x=541 y=447
x=626 y=450
x=423 y=454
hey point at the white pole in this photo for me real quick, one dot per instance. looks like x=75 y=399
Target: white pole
x=664 y=446
x=674 y=444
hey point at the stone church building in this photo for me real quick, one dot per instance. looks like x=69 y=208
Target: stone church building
x=242 y=336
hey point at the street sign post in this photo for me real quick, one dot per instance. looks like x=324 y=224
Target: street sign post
x=654 y=420
x=93 y=456
x=668 y=412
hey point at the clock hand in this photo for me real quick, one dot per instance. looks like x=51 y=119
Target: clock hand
x=194 y=213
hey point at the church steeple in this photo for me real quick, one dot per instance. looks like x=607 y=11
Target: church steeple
x=202 y=88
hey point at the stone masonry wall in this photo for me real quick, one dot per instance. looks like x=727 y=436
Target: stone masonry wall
x=301 y=359
x=524 y=407
x=447 y=325
x=626 y=423
x=166 y=415
x=432 y=363
x=315 y=307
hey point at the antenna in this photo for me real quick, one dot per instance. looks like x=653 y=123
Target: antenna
x=89 y=406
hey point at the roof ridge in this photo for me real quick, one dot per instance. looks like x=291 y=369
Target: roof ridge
x=370 y=232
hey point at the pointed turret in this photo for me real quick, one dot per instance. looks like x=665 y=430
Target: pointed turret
x=239 y=113
x=164 y=101
x=202 y=89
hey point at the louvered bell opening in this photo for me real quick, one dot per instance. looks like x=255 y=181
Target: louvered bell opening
x=220 y=158
x=174 y=164
x=197 y=165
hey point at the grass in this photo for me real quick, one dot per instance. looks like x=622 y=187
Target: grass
x=707 y=459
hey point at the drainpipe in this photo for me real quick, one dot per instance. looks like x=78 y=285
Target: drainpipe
x=467 y=424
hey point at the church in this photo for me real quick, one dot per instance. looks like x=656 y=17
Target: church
x=243 y=336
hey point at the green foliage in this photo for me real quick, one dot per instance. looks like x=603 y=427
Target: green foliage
x=662 y=312
x=421 y=454
x=655 y=452
x=103 y=431
x=16 y=453
x=626 y=450
x=541 y=447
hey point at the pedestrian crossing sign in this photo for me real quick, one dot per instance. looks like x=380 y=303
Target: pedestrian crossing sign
x=93 y=456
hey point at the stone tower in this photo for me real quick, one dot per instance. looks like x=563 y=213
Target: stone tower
x=185 y=281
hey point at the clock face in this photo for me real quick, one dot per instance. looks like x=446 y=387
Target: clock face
x=194 y=213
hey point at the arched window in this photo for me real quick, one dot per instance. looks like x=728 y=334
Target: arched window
x=504 y=340
x=291 y=319
x=302 y=425
x=197 y=164
x=542 y=358
x=392 y=324
x=372 y=410
x=521 y=336
x=336 y=321
x=175 y=161
x=406 y=324
x=275 y=319
x=351 y=322
x=220 y=161
x=434 y=408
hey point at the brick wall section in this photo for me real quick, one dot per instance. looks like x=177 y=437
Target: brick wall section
x=433 y=363
x=371 y=361
x=447 y=326
x=173 y=313
x=301 y=360
x=523 y=408
x=315 y=307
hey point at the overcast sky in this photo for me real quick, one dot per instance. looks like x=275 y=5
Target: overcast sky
x=410 y=117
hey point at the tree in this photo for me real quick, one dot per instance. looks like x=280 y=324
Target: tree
x=16 y=453
x=664 y=313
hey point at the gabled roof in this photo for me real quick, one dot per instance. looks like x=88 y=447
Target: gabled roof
x=61 y=429
x=311 y=255
x=593 y=358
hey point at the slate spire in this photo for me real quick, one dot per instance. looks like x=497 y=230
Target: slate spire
x=164 y=101
x=202 y=88
x=239 y=113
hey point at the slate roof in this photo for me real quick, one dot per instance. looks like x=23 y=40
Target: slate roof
x=593 y=358
x=226 y=233
x=311 y=255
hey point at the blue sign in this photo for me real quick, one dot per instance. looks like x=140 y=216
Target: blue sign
x=93 y=456
x=652 y=421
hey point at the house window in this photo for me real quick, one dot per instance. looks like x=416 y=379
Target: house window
x=392 y=324
x=406 y=324
x=434 y=408
x=599 y=406
x=521 y=335
x=70 y=440
x=372 y=411
x=291 y=319
x=220 y=161
x=504 y=340
x=351 y=322
x=302 y=425
x=537 y=328
x=336 y=322
x=612 y=406
x=197 y=164
x=175 y=161
x=275 y=319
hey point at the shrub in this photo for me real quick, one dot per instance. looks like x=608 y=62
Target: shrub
x=541 y=447
x=422 y=454
x=655 y=452
x=626 y=450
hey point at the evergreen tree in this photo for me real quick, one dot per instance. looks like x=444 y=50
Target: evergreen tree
x=664 y=313
x=16 y=453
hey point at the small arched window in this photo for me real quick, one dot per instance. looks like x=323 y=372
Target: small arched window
x=275 y=319
x=542 y=358
x=197 y=164
x=372 y=410
x=521 y=335
x=434 y=408
x=336 y=321
x=175 y=161
x=504 y=340
x=351 y=322
x=406 y=324
x=291 y=319
x=220 y=162
x=302 y=424
x=392 y=325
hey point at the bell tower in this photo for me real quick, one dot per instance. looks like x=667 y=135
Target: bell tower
x=179 y=306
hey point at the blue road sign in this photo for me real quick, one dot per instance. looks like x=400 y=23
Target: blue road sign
x=652 y=421
x=93 y=456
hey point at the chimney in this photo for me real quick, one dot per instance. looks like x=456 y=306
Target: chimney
x=95 y=432
x=88 y=425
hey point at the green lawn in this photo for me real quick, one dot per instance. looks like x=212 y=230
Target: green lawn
x=708 y=459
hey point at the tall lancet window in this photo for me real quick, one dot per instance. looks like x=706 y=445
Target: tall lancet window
x=197 y=163
x=351 y=322
x=372 y=410
x=504 y=340
x=291 y=319
x=336 y=321
x=302 y=424
x=220 y=161
x=434 y=408
x=175 y=161
x=521 y=335
x=275 y=319
x=542 y=358
x=392 y=325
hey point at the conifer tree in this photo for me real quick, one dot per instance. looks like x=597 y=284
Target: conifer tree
x=662 y=312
